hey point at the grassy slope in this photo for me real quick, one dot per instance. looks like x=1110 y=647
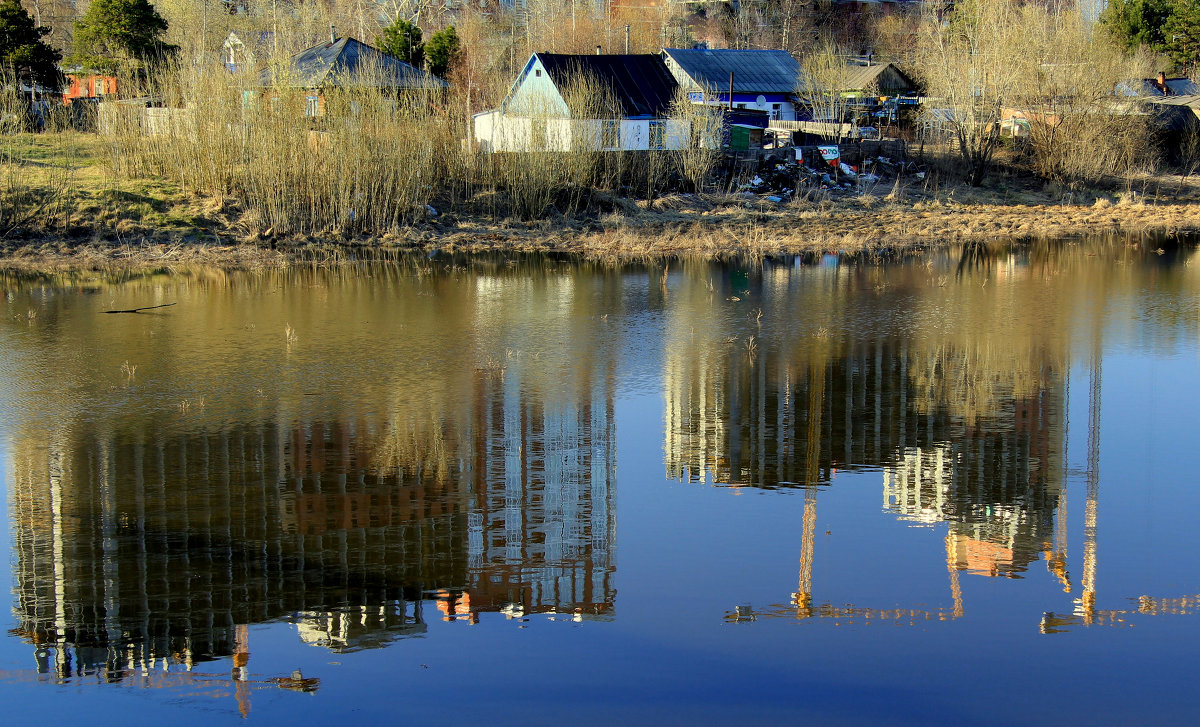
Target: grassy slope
x=93 y=200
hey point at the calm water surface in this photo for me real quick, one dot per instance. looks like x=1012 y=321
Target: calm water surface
x=951 y=488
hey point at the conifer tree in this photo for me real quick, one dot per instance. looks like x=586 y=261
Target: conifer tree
x=402 y=39
x=117 y=33
x=442 y=50
x=23 y=53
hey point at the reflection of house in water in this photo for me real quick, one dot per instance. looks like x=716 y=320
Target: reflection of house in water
x=543 y=508
x=139 y=551
x=988 y=461
x=997 y=486
x=138 y=548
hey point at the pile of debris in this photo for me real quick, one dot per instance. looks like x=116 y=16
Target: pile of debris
x=824 y=170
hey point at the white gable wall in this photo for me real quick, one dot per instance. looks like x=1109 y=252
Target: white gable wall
x=535 y=94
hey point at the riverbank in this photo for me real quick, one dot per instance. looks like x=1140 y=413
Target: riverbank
x=89 y=218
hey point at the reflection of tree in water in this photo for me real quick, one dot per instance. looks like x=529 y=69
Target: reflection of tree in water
x=751 y=425
x=145 y=550
x=976 y=257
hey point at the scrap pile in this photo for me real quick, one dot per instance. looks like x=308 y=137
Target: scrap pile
x=824 y=170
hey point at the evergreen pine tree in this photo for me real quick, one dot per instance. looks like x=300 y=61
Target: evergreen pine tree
x=402 y=39
x=23 y=53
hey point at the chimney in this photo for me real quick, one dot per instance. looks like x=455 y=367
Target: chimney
x=597 y=50
x=332 y=34
x=731 y=90
x=626 y=40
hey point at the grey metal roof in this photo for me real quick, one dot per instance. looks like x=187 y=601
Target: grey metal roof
x=346 y=62
x=859 y=78
x=1172 y=114
x=1191 y=101
x=754 y=71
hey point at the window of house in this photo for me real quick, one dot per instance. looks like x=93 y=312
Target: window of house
x=312 y=106
x=610 y=134
x=776 y=110
x=537 y=72
x=658 y=134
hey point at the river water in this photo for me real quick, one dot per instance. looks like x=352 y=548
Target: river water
x=942 y=488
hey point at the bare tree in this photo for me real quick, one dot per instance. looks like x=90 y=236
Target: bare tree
x=968 y=68
x=993 y=61
x=1078 y=127
x=820 y=85
x=701 y=123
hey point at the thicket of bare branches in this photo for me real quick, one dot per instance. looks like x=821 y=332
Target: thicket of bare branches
x=1068 y=76
x=820 y=85
x=700 y=154
x=996 y=60
x=965 y=66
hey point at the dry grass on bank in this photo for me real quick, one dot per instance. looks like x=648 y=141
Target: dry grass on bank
x=374 y=161
x=101 y=218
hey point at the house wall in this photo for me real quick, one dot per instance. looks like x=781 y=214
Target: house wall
x=892 y=83
x=785 y=112
x=496 y=131
x=80 y=86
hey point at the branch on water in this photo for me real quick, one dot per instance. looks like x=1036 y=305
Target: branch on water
x=138 y=310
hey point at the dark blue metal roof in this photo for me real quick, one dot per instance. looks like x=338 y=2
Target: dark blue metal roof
x=641 y=84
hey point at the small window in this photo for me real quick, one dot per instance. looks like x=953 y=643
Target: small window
x=537 y=72
x=658 y=134
x=610 y=134
x=312 y=106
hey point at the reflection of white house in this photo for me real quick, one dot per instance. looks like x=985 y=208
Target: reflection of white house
x=763 y=80
x=546 y=109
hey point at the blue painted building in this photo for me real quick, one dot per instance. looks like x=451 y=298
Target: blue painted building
x=762 y=80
